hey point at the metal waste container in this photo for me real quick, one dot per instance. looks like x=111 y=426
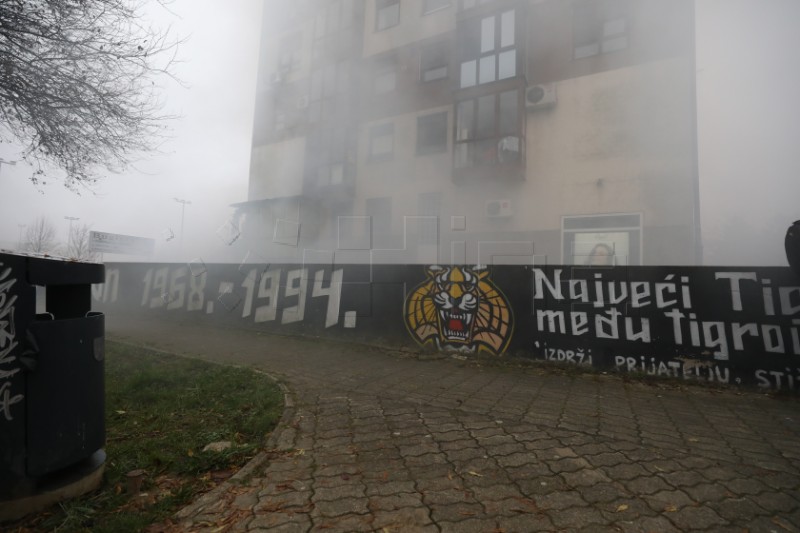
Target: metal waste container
x=52 y=427
x=792 y=244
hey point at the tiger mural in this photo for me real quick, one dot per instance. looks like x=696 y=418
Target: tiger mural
x=458 y=308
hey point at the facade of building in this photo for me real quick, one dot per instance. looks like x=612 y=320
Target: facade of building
x=476 y=131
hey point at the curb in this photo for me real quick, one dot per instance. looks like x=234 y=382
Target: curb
x=253 y=464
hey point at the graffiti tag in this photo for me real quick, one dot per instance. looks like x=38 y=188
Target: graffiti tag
x=8 y=342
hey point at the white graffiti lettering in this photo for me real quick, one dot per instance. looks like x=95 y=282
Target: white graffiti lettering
x=605 y=326
x=681 y=367
x=264 y=295
x=576 y=357
x=8 y=341
x=602 y=293
x=107 y=291
x=715 y=334
x=788 y=378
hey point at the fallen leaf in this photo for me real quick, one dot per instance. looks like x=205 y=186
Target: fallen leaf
x=120 y=412
x=190 y=453
x=670 y=508
x=621 y=508
x=473 y=473
x=526 y=501
x=778 y=522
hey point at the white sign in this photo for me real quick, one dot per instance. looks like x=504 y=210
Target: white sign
x=120 y=244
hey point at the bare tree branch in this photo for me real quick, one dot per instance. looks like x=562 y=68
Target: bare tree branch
x=40 y=236
x=78 y=83
x=78 y=245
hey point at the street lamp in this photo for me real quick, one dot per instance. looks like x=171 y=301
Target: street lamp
x=69 y=236
x=183 y=212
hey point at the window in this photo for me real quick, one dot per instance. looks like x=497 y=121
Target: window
x=488 y=130
x=433 y=62
x=385 y=82
x=599 y=27
x=432 y=133
x=387 y=14
x=602 y=240
x=326 y=157
x=429 y=6
x=289 y=53
x=381 y=141
x=487 y=49
x=327 y=83
x=332 y=17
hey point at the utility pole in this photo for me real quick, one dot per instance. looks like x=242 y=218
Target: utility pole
x=183 y=212
x=4 y=162
x=69 y=236
x=19 y=241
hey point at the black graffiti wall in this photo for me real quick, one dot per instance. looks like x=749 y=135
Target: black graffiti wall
x=730 y=325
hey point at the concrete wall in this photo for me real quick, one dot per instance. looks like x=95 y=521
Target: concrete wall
x=729 y=325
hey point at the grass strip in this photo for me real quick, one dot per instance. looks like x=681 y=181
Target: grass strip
x=161 y=411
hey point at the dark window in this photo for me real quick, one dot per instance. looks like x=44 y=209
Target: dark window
x=332 y=17
x=385 y=76
x=432 y=133
x=387 y=14
x=429 y=6
x=329 y=84
x=487 y=47
x=599 y=27
x=327 y=156
x=488 y=130
x=381 y=141
x=433 y=62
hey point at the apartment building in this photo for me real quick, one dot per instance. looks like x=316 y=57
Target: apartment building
x=475 y=131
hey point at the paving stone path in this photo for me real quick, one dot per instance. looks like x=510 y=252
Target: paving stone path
x=379 y=441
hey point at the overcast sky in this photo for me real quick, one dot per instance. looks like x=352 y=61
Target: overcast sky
x=207 y=160
x=748 y=110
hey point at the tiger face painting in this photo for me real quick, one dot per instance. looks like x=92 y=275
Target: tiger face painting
x=458 y=308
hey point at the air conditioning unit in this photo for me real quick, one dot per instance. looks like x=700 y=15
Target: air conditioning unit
x=540 y=96
x=302 y=101
x=499 y=208
x=275 y=78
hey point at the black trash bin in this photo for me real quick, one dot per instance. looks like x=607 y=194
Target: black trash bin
x=52 y=401
x=792 y=243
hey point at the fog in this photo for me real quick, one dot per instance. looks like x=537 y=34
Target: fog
x=748 y=126
x=746 y=161
x=205 y=159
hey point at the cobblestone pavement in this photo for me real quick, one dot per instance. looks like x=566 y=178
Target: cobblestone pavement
x=377 y=441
